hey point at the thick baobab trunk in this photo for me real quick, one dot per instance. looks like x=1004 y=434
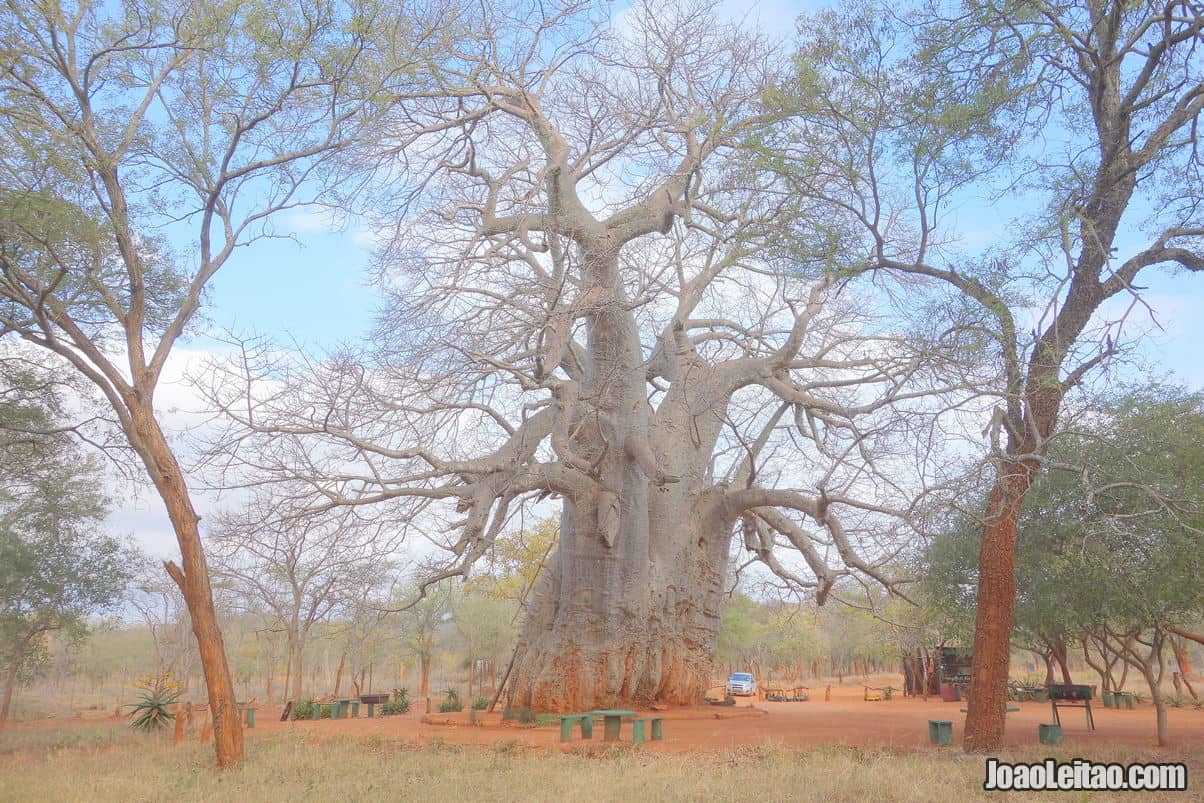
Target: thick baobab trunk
x=193 y=580
x=627 y=610
x=611 y=626
x=996 y=608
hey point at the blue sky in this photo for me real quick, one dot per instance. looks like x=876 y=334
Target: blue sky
x=313 y=289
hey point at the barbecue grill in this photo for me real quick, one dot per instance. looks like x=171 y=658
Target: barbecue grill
x=1071 y=695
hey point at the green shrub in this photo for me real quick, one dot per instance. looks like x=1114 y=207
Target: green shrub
x=526 y=717
x=303 y=709
x=400 y=704
x=480 y=704
x=451 y=702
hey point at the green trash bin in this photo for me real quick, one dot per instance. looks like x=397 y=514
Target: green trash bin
x=1110 y=699
x=1049 y=733
x=940 y=731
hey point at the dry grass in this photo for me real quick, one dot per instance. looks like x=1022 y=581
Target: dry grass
x=115 y=766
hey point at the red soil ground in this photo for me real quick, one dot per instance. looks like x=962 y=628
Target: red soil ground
x=846 y=719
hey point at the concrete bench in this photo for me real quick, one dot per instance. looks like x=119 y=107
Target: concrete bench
x=566 y=726
x=318 y=708
x=248 y=711
x=638 y=727
x=612 y=722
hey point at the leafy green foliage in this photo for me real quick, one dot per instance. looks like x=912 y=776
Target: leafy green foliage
x=303 y=709
x=56 y=565
x=1110 y=536
x=398 y=704
x=451 y=702
x=480 y=703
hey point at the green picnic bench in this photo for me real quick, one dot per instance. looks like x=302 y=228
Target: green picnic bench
x=612 y=721
x=316 y=711
x=566 y=726
x=638 y=727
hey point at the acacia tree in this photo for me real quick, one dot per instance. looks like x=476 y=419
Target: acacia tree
x=56 y=565
x=419 y=625
x=1109 y=537
x=142 y=144
x=589 y=301
x=299 y=568
x=1087 y=109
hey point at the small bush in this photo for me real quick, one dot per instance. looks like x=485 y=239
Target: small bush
x=400 y=704
x=303 y=709
x=480 y=704
x=451 y=702
x=526 y=717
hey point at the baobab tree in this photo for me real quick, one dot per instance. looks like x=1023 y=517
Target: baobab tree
x=587 y=299
x=143 y=143
x=1087 y=114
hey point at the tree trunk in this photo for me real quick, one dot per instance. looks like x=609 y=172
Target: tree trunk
x=1159 y=705
x=295 y=653
x=192 y=578
x=1058 y=649
x=424 y=661
x=1181 y=657
x=338 y=675
x=630 y=623
x=10 y=683
x=996 y=607
x=1183 y=663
